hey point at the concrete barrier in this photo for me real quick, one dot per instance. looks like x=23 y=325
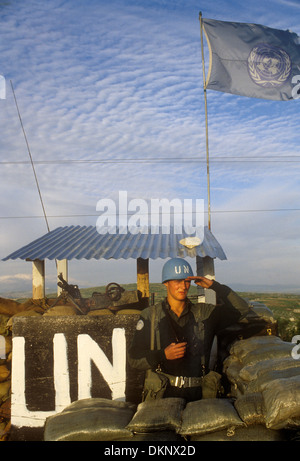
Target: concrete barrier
x=61 y=359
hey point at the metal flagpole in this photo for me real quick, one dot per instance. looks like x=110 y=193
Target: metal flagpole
x=206 y=122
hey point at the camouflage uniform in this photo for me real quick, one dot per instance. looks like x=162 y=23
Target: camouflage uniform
x=197 y=325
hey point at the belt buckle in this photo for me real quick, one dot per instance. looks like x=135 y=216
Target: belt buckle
x=179 y=381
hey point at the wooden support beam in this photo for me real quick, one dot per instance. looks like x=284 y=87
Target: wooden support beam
x=38 y=279
x=143 y=279
x=206 y=268
x=62 y=268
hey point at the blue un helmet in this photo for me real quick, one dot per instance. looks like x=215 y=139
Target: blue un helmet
x=176 y=269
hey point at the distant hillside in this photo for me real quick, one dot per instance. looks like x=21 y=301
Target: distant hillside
x=158 y=289
x=155 y=288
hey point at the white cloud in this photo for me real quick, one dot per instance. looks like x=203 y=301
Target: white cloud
x=123 y=80
x=9 y=278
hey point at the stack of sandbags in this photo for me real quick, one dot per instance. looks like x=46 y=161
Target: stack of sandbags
x=266 y=378
x=174 y=419
x=5 y=371
x=221 y=420
x=167 y=420
x=99 y=419
x=263 y=312
x=95 y=419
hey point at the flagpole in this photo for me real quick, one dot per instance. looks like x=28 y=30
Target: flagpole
x=206 y=123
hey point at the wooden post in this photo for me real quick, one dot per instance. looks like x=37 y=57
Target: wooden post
x=205 y=268
x=38 y=279
x=143 y=280
x=62 y=268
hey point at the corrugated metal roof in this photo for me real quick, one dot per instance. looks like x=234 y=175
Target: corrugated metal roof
x=85 y=242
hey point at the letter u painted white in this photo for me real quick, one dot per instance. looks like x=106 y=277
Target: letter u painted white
x=20 y=415
x=114 y=375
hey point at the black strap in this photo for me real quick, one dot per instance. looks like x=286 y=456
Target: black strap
x=171 y=323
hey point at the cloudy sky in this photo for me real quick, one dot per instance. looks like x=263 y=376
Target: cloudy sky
x=111 y=99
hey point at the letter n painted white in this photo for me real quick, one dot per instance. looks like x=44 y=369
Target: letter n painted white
x=20 y=415
x=114 y=374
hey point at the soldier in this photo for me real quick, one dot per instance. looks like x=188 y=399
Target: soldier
x=173 y=339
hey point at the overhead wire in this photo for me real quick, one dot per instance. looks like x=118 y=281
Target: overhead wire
x=226 y=159
x=30 y=156
x=78 y=215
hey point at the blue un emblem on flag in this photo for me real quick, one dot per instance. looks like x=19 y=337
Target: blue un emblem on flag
x=269 y=66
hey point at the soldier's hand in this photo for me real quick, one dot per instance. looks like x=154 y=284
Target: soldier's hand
x=175 y=351
x=202 y=281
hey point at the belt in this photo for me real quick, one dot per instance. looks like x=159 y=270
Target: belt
x=183 y=381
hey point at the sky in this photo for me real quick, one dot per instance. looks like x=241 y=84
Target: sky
x=110 y=94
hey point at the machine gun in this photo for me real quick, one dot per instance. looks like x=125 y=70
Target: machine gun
x=69 y=293
x=71 y=290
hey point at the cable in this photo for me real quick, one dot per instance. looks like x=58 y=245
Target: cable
x=30 y=156
x=269 y=159
x=271 y=210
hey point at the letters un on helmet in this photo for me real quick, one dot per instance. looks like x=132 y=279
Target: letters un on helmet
x=176 y=269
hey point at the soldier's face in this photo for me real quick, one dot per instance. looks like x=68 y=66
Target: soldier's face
x=178 y=289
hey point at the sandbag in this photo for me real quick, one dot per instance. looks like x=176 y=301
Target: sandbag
x=209 y=415
x=232 y=370
x=5 y=409
x=29 y=313
x=158 y=415
x=4 y=373
x=265 y=376
x=250 y=408
x=263 y=312
x=61 y=310
x=100 y=312
x=4 y=434
x=4 y=391
x=9 y=306
x=241 y=348
x=250 y=372
x=95 y=419
x=3 y=324
x=158 y=436
x=5 y=348
x=255 y=433
x=282 y=403
x=271 y=351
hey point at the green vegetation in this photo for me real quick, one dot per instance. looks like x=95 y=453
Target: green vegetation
x=286 y=310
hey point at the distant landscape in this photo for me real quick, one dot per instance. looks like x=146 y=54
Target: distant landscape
x=285 y=306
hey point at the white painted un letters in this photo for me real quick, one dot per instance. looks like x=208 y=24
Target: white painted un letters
x=88 y=350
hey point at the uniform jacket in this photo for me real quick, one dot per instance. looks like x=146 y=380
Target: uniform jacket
x=198 y=324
